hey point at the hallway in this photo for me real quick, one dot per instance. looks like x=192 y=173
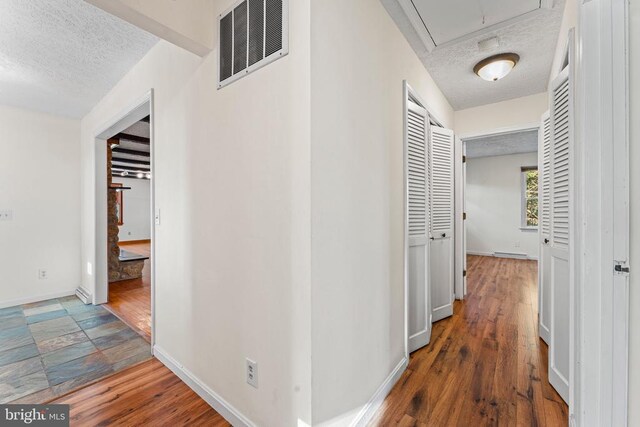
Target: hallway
x=485 y=365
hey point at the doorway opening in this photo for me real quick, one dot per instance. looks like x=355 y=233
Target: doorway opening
x=129 y=178
x=125 y=224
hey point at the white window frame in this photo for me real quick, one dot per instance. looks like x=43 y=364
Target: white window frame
x=523 y=199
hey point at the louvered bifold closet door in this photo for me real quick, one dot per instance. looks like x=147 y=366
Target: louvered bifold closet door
x=544 y=195
x=417 y=162
x=561 y=125
x=417 y=170
x=441 y=182
x=442 y=250
x=544 y=199
x=560 y=201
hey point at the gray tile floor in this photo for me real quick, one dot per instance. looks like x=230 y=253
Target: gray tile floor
x=52 y=347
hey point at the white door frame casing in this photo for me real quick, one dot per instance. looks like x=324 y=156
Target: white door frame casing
x=459 y=183
x=99 y=277
x=599 y=395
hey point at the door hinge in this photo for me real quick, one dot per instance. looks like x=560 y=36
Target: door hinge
x=619 y=268
x=464 y=273
x=464 y=159
x=464 y=216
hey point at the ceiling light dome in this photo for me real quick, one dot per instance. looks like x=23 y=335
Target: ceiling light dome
x=496 y=67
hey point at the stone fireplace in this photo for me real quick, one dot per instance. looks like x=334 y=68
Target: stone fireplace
x=122 y=265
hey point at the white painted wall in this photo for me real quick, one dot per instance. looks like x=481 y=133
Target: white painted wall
x=232 y=181
x=357 y=200
x=39 y=182
x=493 y=205
x=634 y=288
x=137 y=209
x=501 y=115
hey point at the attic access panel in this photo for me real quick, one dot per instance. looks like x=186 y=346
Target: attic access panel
x=449 y=20
x=251 y=34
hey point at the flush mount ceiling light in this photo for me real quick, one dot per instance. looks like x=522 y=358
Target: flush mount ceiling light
x=496 y=67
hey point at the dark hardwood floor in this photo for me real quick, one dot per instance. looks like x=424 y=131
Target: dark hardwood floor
x=148 y=394
x=130 y=300
x=485 y=365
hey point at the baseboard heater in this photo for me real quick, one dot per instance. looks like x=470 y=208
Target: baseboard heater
x=84 y=296
x=515 y=255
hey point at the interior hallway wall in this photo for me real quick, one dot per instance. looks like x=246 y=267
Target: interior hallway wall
x=233 y=246
x=506 y=114
x=359 y=60
x=137 y=209
x=39 y=183
x=493 y=205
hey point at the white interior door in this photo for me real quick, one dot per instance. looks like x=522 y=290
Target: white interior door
x=441 y=251
x=560 y=245
x=544 y=194
x=417 y=188
x=460 y=217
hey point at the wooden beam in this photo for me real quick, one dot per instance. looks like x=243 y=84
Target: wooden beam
x=133 y=138
x=131 y=161
x=130 y=168
x=131 y=152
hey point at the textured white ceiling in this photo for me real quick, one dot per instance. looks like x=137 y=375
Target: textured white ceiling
x=63 y=56
x=451 y=65
x=500 y=145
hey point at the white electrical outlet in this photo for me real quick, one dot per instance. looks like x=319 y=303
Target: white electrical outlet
x=42 y=274
x=252 y=373
x=6 y=215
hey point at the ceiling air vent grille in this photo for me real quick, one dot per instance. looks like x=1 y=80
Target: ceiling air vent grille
x=252 y=33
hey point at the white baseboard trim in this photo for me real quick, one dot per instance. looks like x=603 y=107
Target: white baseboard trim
x=368 y=411
x=545 y=334
x=478 y=253
x=559 y=383
x=224 y=408
x=29 y=300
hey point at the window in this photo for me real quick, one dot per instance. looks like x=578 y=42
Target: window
x=530 y=197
